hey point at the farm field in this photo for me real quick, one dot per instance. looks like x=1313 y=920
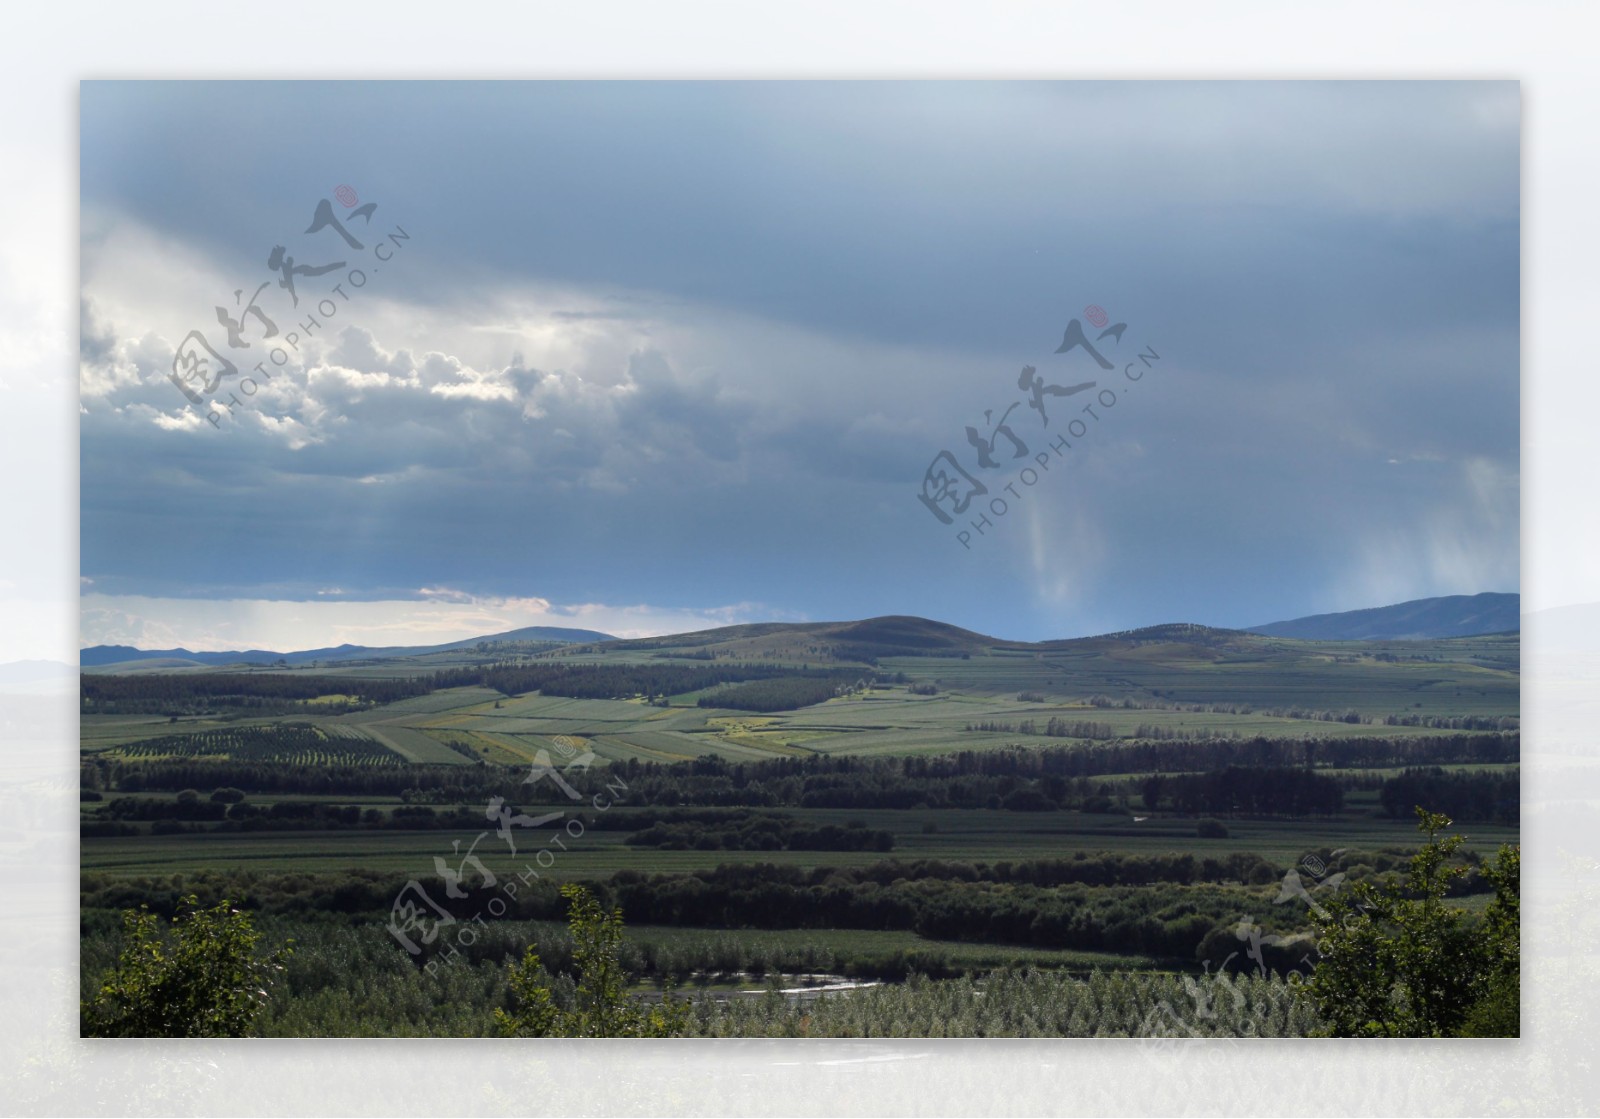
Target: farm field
x=937 y=784
x=882 y=720
x=976 y=835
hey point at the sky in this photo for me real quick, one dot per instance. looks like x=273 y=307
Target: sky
x=650 y=357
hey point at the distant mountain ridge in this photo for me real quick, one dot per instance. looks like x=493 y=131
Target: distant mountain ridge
x=98 y=655
x=900 y=635
x=1456 y=615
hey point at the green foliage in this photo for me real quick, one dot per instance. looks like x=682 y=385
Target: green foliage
x=785 y=693
x=1018 y=1002
x=604 y=681
x=1397 y=962
x=199 y=978
x=1498 y=1012
x=1248 y=776
x=600 y=1006
x=1466 y=797
x=265 y=693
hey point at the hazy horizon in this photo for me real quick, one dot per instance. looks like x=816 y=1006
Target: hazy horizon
x=446 y=636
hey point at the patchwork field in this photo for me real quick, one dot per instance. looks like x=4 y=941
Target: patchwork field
x=899 y=785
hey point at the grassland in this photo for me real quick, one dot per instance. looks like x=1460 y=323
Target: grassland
x=1268 y=687
x=1134 y=685
x=969 y=835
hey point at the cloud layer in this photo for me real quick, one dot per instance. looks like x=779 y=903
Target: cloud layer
x=691 y=345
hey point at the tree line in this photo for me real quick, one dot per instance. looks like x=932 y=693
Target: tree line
x=263 y=692
x=759 y=831
x=783 y=693
x=1236 y=791
x=277 y=692
x=1480 y=797
x=1038 y=779
x=617 y=681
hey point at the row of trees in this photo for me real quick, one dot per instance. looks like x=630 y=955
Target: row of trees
x=1055 y=727
x=1048 y=778
x=1484 y=796
x=175 y=816
x=1311 y=714
x=279 y=692
x=1391 y=959
x=1040 y=778
x=257 y=692
x=1236 y=791
x=273 y=743
x=442 y=783
x=761 y=831
x=616 y=681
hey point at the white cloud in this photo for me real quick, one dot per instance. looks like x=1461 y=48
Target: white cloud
x=441 y=615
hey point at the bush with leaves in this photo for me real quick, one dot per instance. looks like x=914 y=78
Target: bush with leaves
x=1497 y=1013
x=198 y=977
x=1395 y=961
x=599 y=1005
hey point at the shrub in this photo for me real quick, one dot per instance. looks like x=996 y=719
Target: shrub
x=1397 y=963
x=200 y=978
x=600 y=1006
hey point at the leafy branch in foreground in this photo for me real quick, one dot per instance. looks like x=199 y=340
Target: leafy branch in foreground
x=601 y=1006
x=200 y=977
x=1395 y=961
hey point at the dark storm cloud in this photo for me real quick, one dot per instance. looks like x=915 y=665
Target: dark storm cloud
x=695 y=343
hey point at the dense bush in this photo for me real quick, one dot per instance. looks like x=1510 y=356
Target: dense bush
x=200 y=977
x=1396 y=961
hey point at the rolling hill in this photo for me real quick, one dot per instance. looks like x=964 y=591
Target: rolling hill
x=1420 y=619
x=99 y=656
